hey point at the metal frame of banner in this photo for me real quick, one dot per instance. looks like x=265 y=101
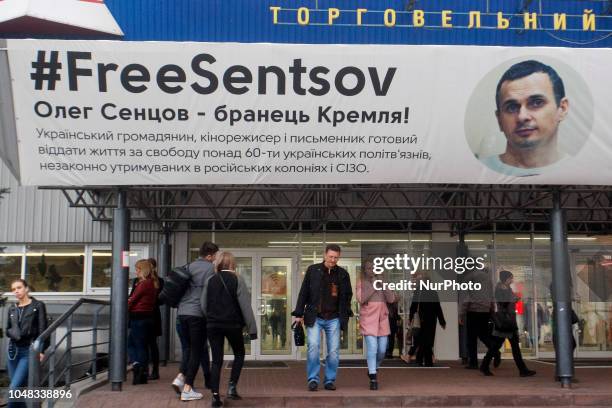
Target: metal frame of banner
x=388 y=207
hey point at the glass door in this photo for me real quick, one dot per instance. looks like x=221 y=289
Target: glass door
x=352 y=341
x=269 y=278
x=592 y=286
x=244 y=268
x=274 y=306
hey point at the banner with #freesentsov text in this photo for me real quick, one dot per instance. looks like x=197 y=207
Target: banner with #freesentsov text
x=146 y=113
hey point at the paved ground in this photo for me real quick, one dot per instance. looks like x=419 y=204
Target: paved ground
x=414 y=387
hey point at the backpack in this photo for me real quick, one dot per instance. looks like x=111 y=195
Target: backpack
x=175 y=286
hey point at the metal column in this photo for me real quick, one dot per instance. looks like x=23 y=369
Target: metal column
x=562 y=300
x=119 y=292
x=164 y=267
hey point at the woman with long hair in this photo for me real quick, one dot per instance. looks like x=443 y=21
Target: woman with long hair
x=141 y=306
x=27 y=319
x=373 y=320
x=226 y=304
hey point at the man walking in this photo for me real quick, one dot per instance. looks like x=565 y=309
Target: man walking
x=193 y=324
x=475 y=314
x=324 y=303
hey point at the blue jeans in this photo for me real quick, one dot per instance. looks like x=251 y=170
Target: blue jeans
x=332 y=337
x=18 y=359
x=141 y=331
x=376 y=347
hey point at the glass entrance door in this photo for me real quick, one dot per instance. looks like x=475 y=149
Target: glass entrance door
x=269 y=278
x=351 y=342
x=592 y=288
x=274 y=305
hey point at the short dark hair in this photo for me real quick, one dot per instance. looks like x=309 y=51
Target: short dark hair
x=208 y=248
x=529 y=67
x=332 y=247
x=505 y=275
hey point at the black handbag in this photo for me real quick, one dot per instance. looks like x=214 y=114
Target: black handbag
x=175 y=286
x=298 y=334
x=504 y=321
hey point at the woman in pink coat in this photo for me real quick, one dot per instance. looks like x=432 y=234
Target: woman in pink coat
x=373 y=319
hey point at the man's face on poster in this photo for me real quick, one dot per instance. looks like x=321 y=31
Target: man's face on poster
x=528 y=113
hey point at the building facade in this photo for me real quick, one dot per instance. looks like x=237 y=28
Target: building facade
x=65 y=254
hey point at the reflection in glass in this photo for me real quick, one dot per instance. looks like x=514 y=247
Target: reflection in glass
x=55 y=268
x=10 y=266
x=275 y=281
x=101 y=268
x=544 y=304
x=351 y=342
x=594 y=290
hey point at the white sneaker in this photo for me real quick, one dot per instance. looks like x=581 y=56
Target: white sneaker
x=178 y=384
x=191 y=395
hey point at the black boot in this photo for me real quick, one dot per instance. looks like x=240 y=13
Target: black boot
x=136 y=374
x=484 y=366
x=216 y=400
x=232 y=392
x=144 y=373
x=154 y=373
x=373 y=382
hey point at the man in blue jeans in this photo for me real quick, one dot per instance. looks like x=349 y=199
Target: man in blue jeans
x=324 y=303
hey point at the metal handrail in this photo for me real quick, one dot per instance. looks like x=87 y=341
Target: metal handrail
x=54 y=364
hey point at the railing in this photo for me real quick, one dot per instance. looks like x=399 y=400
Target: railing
x=56 y=372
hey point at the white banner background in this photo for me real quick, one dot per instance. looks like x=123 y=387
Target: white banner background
x=449 y=90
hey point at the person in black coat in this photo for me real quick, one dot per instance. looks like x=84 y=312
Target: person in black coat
x=426 y=304
x=506 y=303
x=226 y=303
x=324 y=303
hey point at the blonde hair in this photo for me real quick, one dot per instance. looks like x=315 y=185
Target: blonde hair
x=148 y=272
x=225 y=261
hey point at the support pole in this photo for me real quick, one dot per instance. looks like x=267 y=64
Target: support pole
x=164 y=267
x=119 y=293
x=561 y=294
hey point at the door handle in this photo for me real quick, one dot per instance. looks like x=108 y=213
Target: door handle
x=261 y=308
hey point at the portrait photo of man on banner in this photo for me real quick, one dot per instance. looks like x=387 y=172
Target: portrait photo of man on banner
x=532 y=111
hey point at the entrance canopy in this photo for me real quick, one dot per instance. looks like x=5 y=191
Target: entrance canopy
x=388 y=207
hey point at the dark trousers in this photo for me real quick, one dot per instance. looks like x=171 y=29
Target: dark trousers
x=496 y=343
x=477 y=325
x=394 y=327
x=204 y=358
x=138 y=341
x=193 y=331
x=216 y=338
x=427 y=337
x=154 y=353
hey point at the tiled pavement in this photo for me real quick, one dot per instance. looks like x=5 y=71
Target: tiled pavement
x=413 y=387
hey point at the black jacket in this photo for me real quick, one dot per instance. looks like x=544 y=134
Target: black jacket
x=506 y=299
x=226 y=302
x=427 y=303
x=33 y=323
x=308 y=301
